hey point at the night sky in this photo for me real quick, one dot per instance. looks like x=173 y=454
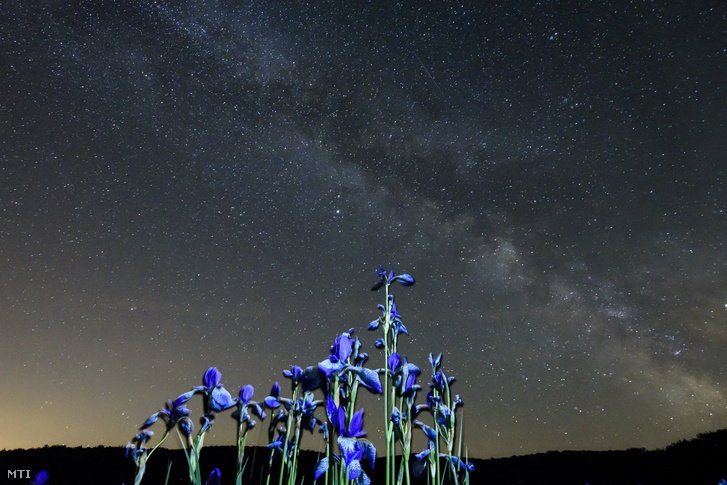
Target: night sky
x=186 y=184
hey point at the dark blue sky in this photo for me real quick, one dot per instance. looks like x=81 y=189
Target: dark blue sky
x=188 y=184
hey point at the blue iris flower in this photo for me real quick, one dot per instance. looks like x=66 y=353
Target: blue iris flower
x=246 y=393
x=245 y=402
x=273 y=400
x=342 y=347
x=340 y=353
x=353 y=448
x=435 y=362
x=388 y=278
x=186 y=425
x=218 y=398
x=171 y=414
x=394 y=362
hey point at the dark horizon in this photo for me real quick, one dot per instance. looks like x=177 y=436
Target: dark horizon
x=698 y=461
x=205 y=183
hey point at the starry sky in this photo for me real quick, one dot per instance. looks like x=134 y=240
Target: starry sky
x=186 y=184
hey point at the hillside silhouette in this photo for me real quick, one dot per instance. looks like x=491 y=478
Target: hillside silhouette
x=699 y=461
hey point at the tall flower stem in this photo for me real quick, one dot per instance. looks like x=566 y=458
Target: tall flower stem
x=241 y=435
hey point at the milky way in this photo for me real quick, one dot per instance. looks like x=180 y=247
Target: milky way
x=197 y=183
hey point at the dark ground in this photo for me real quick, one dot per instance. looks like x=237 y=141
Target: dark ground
x=701 y=461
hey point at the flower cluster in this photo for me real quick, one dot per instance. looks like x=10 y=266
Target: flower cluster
x=338 y=377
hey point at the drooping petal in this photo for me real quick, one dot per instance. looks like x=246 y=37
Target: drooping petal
x=428 y=430
x=369 y=451
x=379 y=343
x=375 y=324
x=363 y=479
x=272 y=402
x=328 y=367
x=259 y=411
x=350 y=449
x=367 y=377
x=321 y=468
x=423 y=454
x=151 y=420
x=405 y=279
x=184 y=397
x=411 y=368
x=221 y=399
x=354 y=469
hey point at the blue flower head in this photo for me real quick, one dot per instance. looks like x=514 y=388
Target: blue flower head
x=435 y=362
x=273 y=400
x=186 y=425
x=341 y=348
x=246 y=393
x=295 y=373
x=394 y=362
x=171 y=414
x=212 y=379
x=388 y=278
x=220 y=399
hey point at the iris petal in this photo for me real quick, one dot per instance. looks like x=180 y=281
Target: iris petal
x=321 y=468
